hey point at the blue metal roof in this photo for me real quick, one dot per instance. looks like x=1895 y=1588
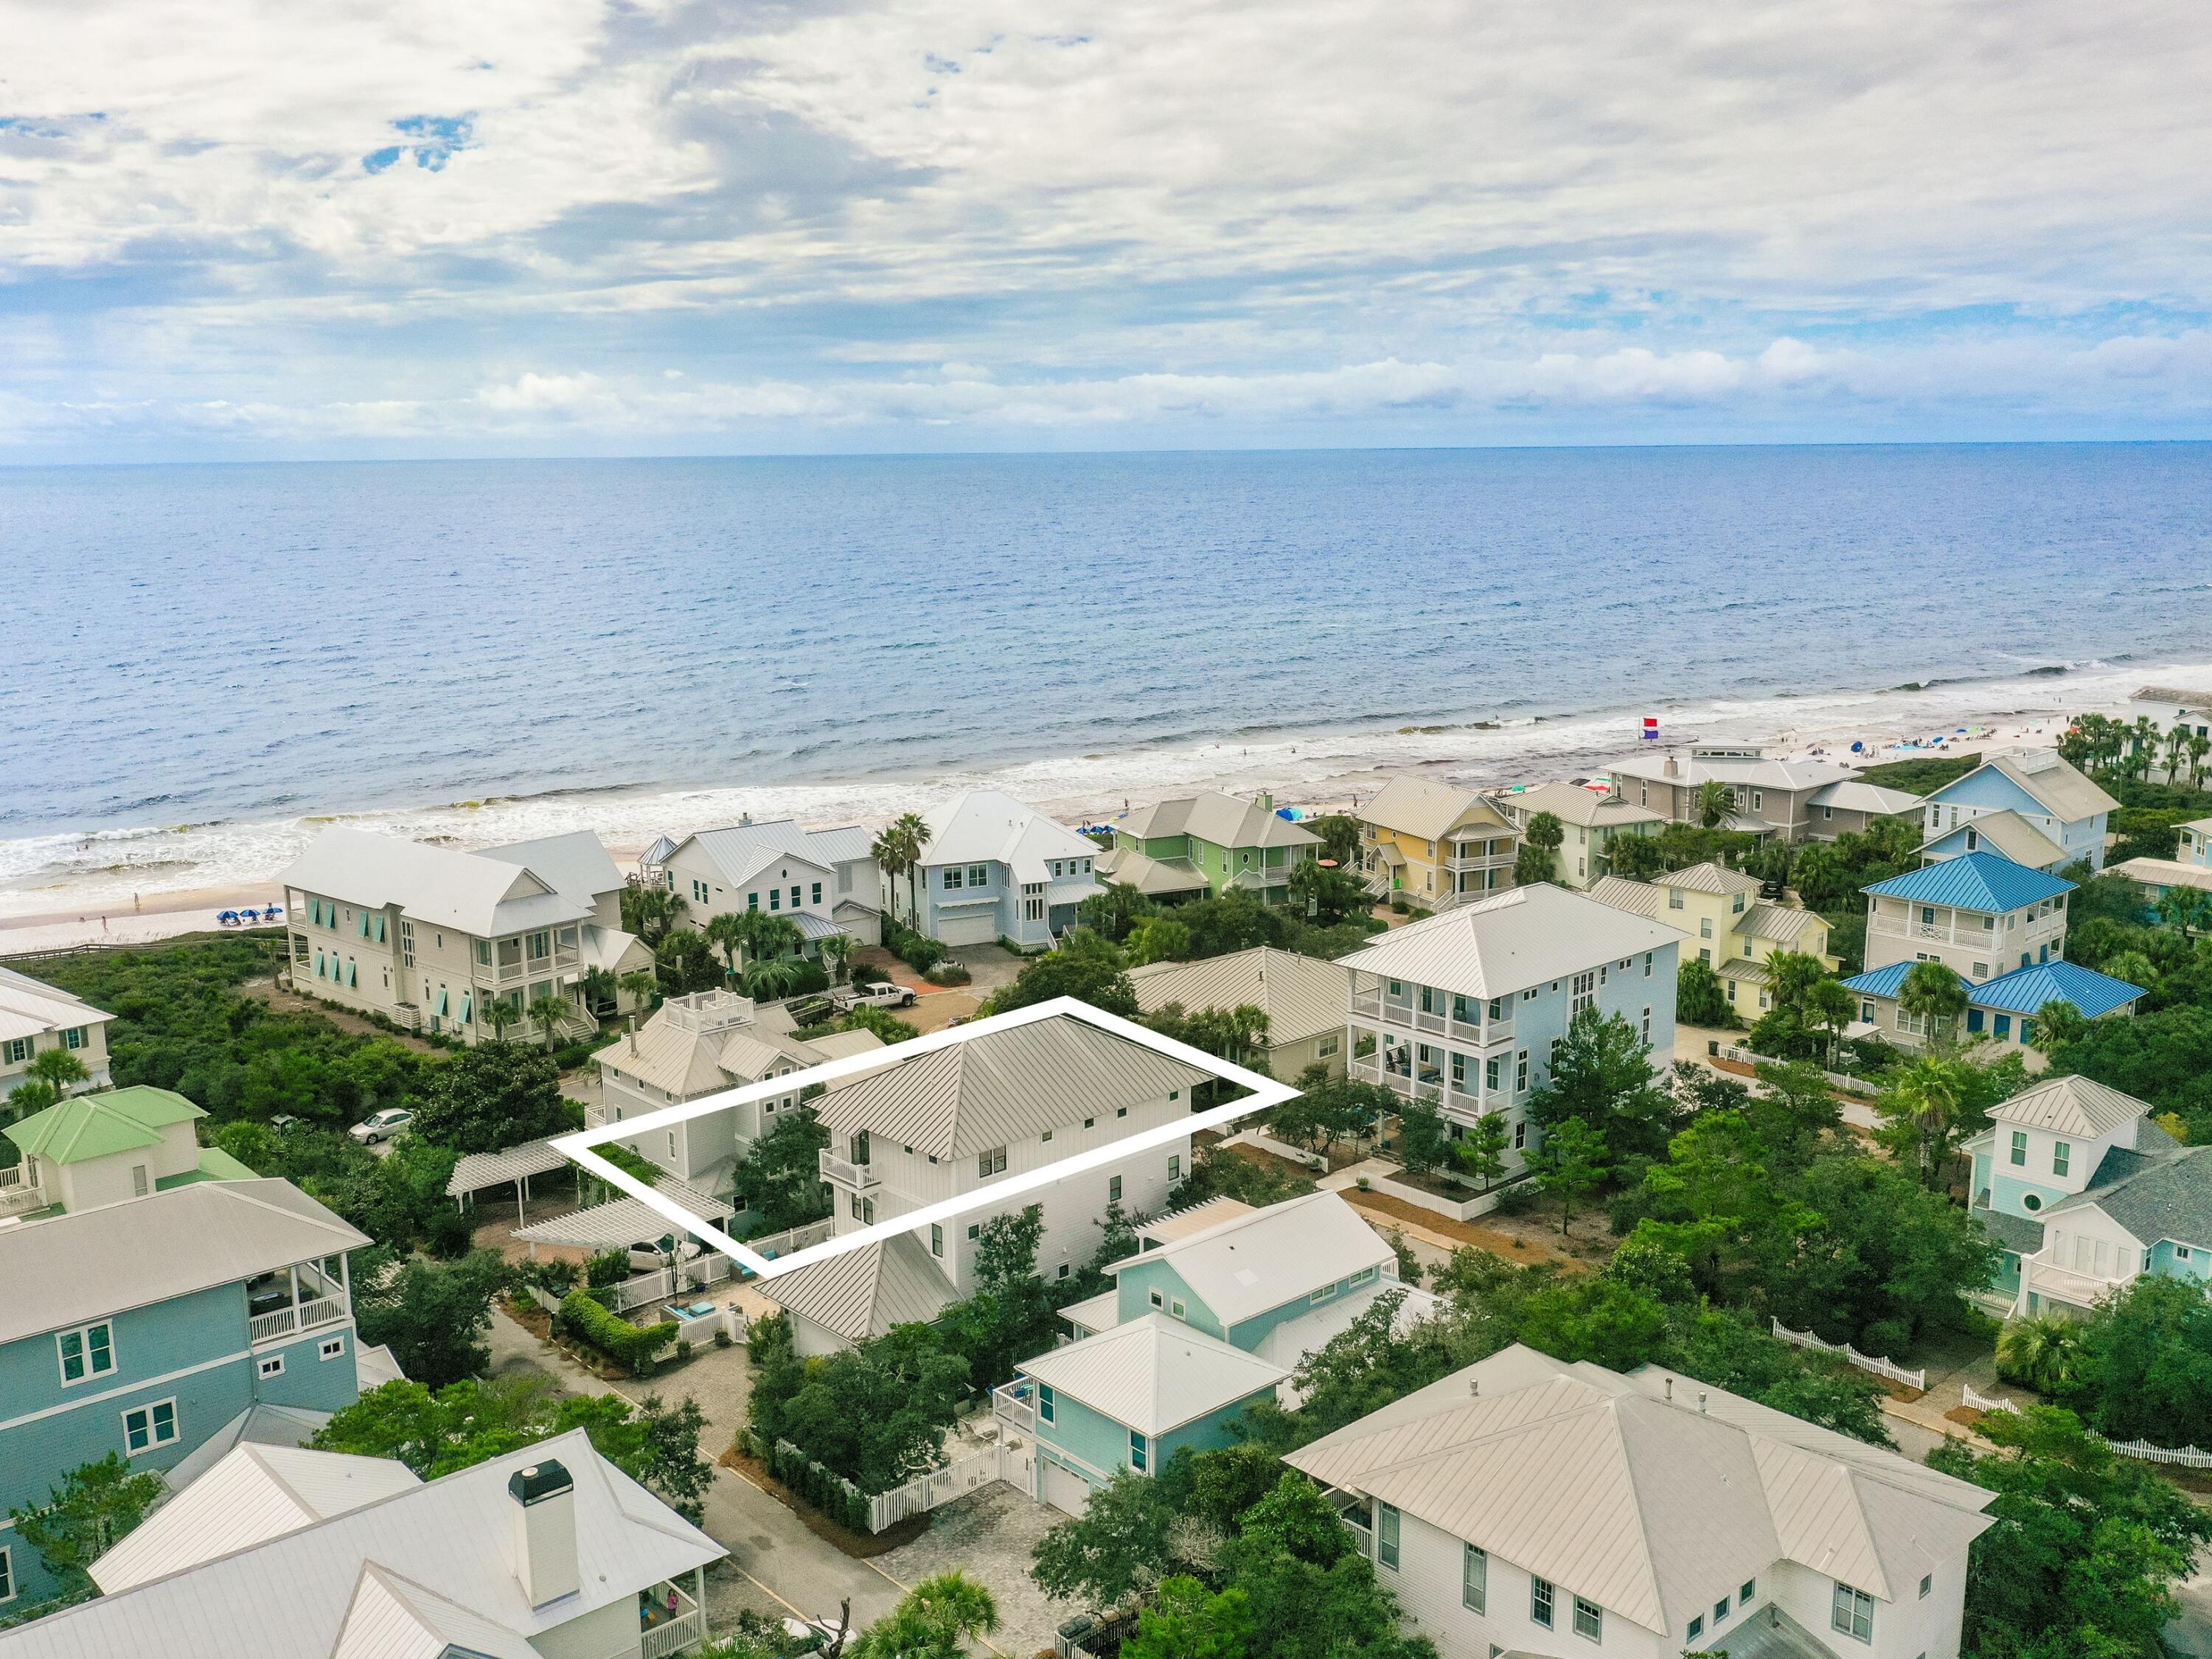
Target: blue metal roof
x=2024 y=990
x=1974 y=881
x=1880 y=981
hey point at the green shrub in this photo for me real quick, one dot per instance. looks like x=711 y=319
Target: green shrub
x=607 y=1267
x=946 y=973
x=450 y=1234
x=826 y=1490
x=917 y=950
x=631 y=1347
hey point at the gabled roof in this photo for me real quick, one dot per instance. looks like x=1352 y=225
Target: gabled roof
x=300 y=1596
x=1649 y=1506
x=1423 y=807
x=2166 y=1196
x=2009 y=834
x=625 y=1220
x=2071 y=1106
x=2163 y=872
x=575 y=866
x=1974 y=881
x=31 y=1007
x=68 y=1269
x=2024 y=990
x=1510 y=941
x=1571 y=803
x=1250 y=1263
x=1150 y=876
x=986 y=826
x=86 y=1127
x=483 y=897
x=1301 y=995
x=253 y=1494
x=1639 y=898
x=1856 y=795
x=864 y=1292
x=1153 y=1374
x=742 y=851
x=2049 y=780
x=1784 y=924
x=1004 y=1086
x=1224 y=820
x=1291 y=1341
x=395 y=1617
x=1758 y=771
x=1708 y=878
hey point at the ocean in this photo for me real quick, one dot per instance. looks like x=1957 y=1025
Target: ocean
x=204 y=662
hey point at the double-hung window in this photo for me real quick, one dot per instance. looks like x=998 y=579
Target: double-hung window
x=1046 y=1404
x=1386 y=1535
x=6 y=1576
x=88 y=1351
x=991 y=1161
x=952 y=874
x=145 y=1428
x=1140 y=1452
x=1474 y=1577
x=1852 y=1613
x=2019 y=1148
x=2061 y=1156
x=1541 y=1596
x=1589 y=1619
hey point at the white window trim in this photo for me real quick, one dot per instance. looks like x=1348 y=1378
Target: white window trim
x=83 y=1334
x=270 y=1364
x=333 y=1348
x=176 y=1432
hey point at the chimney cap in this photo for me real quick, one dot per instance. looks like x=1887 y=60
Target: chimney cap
x=538 y=1482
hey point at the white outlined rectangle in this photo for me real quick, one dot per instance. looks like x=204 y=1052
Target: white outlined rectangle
x=1266 y=1092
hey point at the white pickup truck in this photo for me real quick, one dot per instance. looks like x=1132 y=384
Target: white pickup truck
x=873 y=996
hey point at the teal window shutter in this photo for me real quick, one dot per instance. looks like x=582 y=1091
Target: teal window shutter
x=468 y=1007
x=364 y=924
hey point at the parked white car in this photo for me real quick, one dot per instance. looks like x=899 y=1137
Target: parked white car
x=381 y=1125
x=646 y=1256
x=874 y=996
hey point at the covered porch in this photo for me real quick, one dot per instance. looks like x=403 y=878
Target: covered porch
x=672 y=1616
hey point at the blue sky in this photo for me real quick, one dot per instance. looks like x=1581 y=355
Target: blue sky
x=409 y=228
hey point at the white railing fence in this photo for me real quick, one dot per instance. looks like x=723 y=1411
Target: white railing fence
x=773 y=1245
x=674 y=1635
x=2188 y=1457
x=662 y=1285
x=1843 y=1081
x=1865 y=1362
x=925 y=1492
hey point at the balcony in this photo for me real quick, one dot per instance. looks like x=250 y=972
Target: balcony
x=295 y=1300
x=17 y=1195
x=843 y=1171
x=2077 y=1290
x=663 y=1630
x=1014 y=1404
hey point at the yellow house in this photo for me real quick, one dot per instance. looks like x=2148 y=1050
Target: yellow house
x=1724 y=924
x=1434 y=845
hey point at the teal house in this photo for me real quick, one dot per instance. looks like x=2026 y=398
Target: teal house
x=199 y=1309
x=2086 y=1195
x=1214 y=1313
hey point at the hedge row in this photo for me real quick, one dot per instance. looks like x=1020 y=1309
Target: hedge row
x=824 y=1488
x=631 y=1347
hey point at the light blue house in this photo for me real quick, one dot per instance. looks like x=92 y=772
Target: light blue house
x=2085 y=1194
x=2190 y=868
x=994 y=870
x=1213 y=1314
x=1464 y=1009
x=2034 y=802
x=152 y=1326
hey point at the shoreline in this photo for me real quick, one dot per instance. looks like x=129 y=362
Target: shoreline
x=140 y=886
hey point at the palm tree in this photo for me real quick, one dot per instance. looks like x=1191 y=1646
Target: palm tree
x=2144 y=734
x=498 y=1013
x=549 y=1012
x=767 y=937
x=2177 y=744
x=1933 y=991
x=59 y=1069
x=641 y=985
x=835 y=950
x=2199 y=747
x=911 y=839
x=771 y=979
x=727 y=933
x=599 y=988
x=2042 y=1352
x=1714 y=801
x=651 y=912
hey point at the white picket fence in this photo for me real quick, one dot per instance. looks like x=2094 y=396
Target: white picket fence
x=2188 y=1457
x=925 y=1492
x=1865 y=1362
x=1843 y=1081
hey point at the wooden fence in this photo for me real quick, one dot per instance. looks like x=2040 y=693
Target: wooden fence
x=925 y=1492
x=1865 y=1362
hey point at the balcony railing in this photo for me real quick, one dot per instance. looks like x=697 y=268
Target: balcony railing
x=2082 y=1289
x=308 y=1316
x=1014 y=1404
x=844 y=1172
x=664 y=1632
x=1407 y=1018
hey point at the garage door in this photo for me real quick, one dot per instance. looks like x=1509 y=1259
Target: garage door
x=968 y=927
x=1064 y=1489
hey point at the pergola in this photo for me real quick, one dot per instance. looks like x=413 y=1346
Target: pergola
x=625 y=1221
x=514 y=1165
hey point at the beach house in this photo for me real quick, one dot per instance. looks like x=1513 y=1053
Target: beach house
x=1434 y=846
x=994 y=870
x=2001 y=926
x=2037 y=791
x=1214 y=1313
x=1794 y=799
x=822 y=881
x=35 y=1017
x=2191 y=866
x=1724 y=924
x=699 y=1045
x=213 y=1309
x=1464 y=1009
x=547 y=1552
x=428 y=937
x=1208 y=844
x=103 y=1148
x=1303 y=997
x=1591 y=819
x=2085 y=1194
x=1528 y=1506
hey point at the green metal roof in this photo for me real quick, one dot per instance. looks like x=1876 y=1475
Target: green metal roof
x=94 y=1126
x=214 y=1165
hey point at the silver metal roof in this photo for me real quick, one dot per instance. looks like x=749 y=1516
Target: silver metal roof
x=1571 y=803
x=575 y=865
x=1250 y=1263
x=477 y=893
x=1510 y=941
x=986 y=826
x=81 y=1266
x=1154 y=1373
x=1224 y=820
x=296 y=1596
x=864 y=1292
x=31 y=1007
x=2072 y=1105
x=504 y=1167
x=1302 y=996
x=624 y=1220
x=1004 y=1086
